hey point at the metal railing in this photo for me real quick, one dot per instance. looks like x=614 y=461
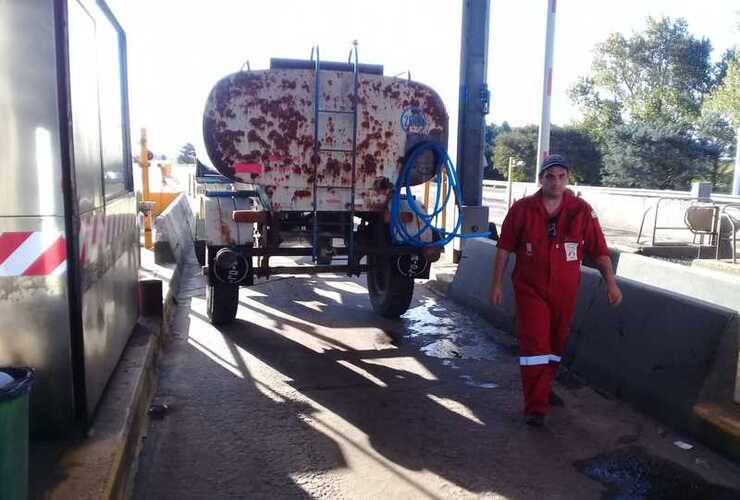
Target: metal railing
x=716 y=230
x=656 y=209
x=733 y=222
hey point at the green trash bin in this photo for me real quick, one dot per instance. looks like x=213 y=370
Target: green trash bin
x=15 y=387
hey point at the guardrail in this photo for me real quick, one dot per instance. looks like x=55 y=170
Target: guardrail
x=643 y=193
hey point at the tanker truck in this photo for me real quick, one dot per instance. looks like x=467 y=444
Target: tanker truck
x=313 y=158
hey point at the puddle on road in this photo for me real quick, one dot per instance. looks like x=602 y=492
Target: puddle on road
x=453 y=349
x=447 y=334
x=469 y=380
x=633 y=474
x=429 y=319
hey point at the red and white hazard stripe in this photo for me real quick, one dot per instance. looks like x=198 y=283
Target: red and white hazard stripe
x=99 y=231
x=32 y=253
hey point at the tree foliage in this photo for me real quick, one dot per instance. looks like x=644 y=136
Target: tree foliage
x=725 y=98
x=492 y=132
x=655 y=156
x=657 y=93
x=575 y=144
x=659 y=75
x=186 y=154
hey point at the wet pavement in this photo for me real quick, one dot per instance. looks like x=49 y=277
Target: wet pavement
x=310 y=395
x=633 y=474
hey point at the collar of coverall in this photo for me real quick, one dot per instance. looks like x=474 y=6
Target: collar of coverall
x=568 y=197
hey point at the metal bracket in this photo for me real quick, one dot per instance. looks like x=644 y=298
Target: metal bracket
x=485 y=99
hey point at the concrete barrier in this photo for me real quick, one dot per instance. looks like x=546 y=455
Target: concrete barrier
x=709 y=286
x=660 y=350
x=174 y=231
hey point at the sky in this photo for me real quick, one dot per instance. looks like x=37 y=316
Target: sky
x=178 y=49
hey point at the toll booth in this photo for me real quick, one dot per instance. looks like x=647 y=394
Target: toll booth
x=69 y=253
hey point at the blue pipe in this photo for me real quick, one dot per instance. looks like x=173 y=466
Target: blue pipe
x=399 y=234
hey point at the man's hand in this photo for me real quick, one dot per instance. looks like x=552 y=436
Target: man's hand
x=614 y=294
x=497 y=296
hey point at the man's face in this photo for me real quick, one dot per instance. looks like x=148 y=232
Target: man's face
x=554 y=181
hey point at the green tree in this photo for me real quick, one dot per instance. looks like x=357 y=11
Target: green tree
x=718 y=138
x=492 y=132
x=725 y=98
x=659 y=75
x=575 y=144
x=724 y=101
x=658 y=79
x=186 y=154
x=655 y=156
x=520 y=143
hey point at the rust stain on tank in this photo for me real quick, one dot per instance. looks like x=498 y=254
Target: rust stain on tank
x=259 y=123
x=253 y=136
x=226 y=234
x=301 y=193
x=279 y=126
x=287 y=84
x=369 y=165
x=332 y=167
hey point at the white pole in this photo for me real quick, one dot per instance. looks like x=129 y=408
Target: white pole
x=736 y=177
x=543 y=142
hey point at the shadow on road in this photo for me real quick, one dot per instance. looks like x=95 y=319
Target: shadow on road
x=421 y=423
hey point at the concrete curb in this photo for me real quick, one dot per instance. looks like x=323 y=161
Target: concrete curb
x=121 y=476
x=661 y=351
x=102 y=466
x=98 y=467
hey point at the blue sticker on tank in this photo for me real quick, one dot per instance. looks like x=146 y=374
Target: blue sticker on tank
x=413 y=120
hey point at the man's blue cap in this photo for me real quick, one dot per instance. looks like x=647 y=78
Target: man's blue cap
x=554 y=161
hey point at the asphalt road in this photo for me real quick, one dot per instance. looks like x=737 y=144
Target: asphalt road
x=310 y=395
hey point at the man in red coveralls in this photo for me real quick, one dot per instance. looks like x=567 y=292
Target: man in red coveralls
x=549 y=232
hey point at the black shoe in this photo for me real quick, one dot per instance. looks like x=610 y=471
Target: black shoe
x=556 y=400
x=535 y=419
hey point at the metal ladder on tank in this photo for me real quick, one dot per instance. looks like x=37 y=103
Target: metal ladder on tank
x=318 y=112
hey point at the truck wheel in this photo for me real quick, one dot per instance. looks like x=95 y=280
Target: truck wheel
x=390 y=292
x=222 y=301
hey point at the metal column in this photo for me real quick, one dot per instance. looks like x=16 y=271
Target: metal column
x=474 y=99
x=474 y=105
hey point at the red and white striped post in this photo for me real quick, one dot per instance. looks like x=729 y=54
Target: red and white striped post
x=543 y=142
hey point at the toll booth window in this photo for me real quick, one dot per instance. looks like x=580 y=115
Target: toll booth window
x=111 y=110
x=84 y=104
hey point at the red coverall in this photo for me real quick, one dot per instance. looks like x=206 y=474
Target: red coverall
x=546 y=279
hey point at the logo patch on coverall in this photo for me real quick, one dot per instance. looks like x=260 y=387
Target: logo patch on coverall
x=529 y=249
x=571 y=251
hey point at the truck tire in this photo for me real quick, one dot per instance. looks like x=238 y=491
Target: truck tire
x=222 y=301
x=390 y=292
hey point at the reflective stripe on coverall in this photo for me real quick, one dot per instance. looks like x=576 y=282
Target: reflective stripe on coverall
x=546 y=279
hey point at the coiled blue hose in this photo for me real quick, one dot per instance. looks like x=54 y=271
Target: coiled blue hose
x=399 y=234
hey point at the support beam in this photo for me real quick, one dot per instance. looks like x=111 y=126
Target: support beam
x=474 y=99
